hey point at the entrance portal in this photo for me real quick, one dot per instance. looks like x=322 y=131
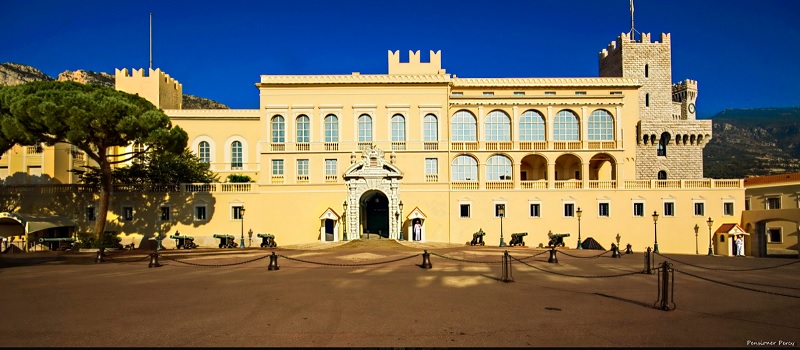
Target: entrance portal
x=375 y=213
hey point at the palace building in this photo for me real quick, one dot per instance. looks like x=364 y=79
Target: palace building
x=618 y=158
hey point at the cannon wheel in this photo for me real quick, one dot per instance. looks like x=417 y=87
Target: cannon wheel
x=482 y=243
x=263 y=245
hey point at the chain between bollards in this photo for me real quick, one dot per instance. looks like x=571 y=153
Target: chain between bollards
x=426 y=260
x=273 y=262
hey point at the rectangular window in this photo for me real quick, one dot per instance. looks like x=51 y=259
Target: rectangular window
x=699 y=209
x=580 y=92
x=603 y=210
x=277 y=167
x=638 y=209
x=237 y=213
x=127 y=213
x=747 y=203
x=331 y=167
x=302 y=167
x=549 y=93
x=200 y=213
x=616 y=92
x=499 y=210
x=164 y=213
x=727 y=208
x=464 y=210
x=519 y=93
x=91 y=215
x=457 y=93
x=536 y=210
x=774 y=235
x=569 y=209
x=774 y=203
x=488 y=93
x=431 y=166
x=669 y=208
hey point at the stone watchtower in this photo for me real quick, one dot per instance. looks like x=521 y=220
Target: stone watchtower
x=670 y=139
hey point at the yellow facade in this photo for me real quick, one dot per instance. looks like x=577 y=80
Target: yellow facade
x=421 y=145
x=772 y=214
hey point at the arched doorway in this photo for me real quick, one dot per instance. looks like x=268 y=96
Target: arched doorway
x=375 y=213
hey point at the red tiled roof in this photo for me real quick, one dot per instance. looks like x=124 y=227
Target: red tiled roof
x=761 y=180
x=727 y=228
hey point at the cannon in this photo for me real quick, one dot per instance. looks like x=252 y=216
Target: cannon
x=477 y=238
x=225 y=240
x=58 y=243
x=183 y=241
x=516 y=239
x=267 y=240
x=556 y=239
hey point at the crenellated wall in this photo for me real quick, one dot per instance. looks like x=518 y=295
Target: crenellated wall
x=414 y=66
x=157 y=86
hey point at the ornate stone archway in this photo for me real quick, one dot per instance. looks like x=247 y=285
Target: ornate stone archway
x=372 y=173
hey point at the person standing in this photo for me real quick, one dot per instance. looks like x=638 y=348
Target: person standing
x=739 y=246
x=417 y=231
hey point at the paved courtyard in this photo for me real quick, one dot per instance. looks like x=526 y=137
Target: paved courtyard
x=375 y=294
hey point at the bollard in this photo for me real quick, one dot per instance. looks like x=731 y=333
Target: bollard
x=664 y=295
x=154 y=260
x=273 y=262
x=99 y=257
x=628 y=249
x=506 y=273
x=647 y=262
x=426 y=260
x=615 y=251
x=553 y=259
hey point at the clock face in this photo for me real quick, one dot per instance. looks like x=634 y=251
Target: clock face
x=691 y=108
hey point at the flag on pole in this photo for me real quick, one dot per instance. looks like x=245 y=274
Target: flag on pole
x=631 y=6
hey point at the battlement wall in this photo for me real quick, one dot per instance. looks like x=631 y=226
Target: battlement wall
x=414 y=66
x=154 y=85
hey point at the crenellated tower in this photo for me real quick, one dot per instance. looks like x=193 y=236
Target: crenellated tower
x=157 y=87
x=670 y=139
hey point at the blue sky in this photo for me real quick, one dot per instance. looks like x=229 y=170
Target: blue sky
x=743 y=53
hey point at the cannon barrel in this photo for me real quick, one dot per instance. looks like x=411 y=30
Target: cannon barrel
x=265 y=235
x=64 y=239
x=223 y=235
x=181 y=237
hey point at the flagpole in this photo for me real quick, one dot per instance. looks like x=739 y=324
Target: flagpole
x=151 y=40
x=633 y=32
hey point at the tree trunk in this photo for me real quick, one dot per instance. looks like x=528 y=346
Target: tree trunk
x=105 y=197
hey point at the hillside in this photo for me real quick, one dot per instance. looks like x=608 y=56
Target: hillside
x=15 y=74
x=751 y=142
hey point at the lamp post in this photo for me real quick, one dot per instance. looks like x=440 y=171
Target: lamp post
x=710 y=223
x=655 y=232
x=502 y=212
x=158 y=237
x=241 y=217
x=400 y=220
x=344 y=220
x=249 y=238
x=696 y=228
x=578 y=213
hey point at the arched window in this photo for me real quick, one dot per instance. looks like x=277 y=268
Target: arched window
x=531 y=126
x=431 y=125
x=364 y=128
x=204 y=151
x=601 y=126
x=463 y=127
x=331 y=128
x=278 y=129
x=498 y=168
x=498 y=126
x=303 y=128
x=662 y=175
x=565 y=126
x=398 y=128
x=661 y=151
x=236 y=155
x=465 y=168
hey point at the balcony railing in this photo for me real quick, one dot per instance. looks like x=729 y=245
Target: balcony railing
x=499 y=146
x=302 y=179
x=331 y=178
x=277 y=147
x=499 y=185
x=431 y=178
x=603 y=184
x=276 y=179
x=303 y=146
x=398 y=146
x=533 y=145
x=602 y=145
x=566 y=145
x=431 y=146
x=331 y=146
x=533 y=184
x=236 y=187
x=364 y=145
x=567 y=184
x=464 y=146
x=464 y=185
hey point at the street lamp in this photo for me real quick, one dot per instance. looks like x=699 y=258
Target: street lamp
x=710 y=223
x=696 y=228
x=655 y=232
x=344 y=220
x=241 y=217
x=502 y=212
x=249 y=238
x=400 y=220
x=578 y=213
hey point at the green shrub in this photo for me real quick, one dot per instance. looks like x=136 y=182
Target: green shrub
x=110 y=240
x=238 y=178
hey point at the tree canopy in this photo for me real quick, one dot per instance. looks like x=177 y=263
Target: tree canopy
x=157 y=168
x=96 y=119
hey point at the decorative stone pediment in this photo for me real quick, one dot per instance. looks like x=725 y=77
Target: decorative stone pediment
x=372 y=165
x=372 y=173
x=416 y=214
x=329 y=214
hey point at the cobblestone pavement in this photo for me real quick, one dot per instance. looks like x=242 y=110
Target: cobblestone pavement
x=375 y=294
